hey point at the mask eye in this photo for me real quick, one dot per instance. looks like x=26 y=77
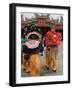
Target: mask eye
x=33 y=37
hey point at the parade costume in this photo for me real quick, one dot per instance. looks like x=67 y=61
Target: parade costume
x=33 y=39
x=53 y=39
x=52 y=42
x=31 y=48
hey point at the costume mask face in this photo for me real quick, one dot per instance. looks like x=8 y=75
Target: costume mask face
x=33 y=39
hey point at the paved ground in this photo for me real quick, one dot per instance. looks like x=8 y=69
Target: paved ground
x=45 y=71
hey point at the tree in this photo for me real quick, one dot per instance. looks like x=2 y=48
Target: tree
x=57 y=20
x=36 y=15
x=48 y=16
x=22 y=16
x=61 y=19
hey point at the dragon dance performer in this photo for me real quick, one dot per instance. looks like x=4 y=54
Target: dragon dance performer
x=52 y=42
x=31 y=48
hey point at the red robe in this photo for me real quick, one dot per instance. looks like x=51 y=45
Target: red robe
x=53 y=38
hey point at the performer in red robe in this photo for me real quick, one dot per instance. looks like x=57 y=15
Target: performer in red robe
x=52 y=42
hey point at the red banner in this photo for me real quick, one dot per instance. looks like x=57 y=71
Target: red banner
x=41 y=22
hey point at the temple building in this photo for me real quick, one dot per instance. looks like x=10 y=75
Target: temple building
x=44 y=22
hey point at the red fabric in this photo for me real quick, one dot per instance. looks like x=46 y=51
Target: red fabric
x=53 y=38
